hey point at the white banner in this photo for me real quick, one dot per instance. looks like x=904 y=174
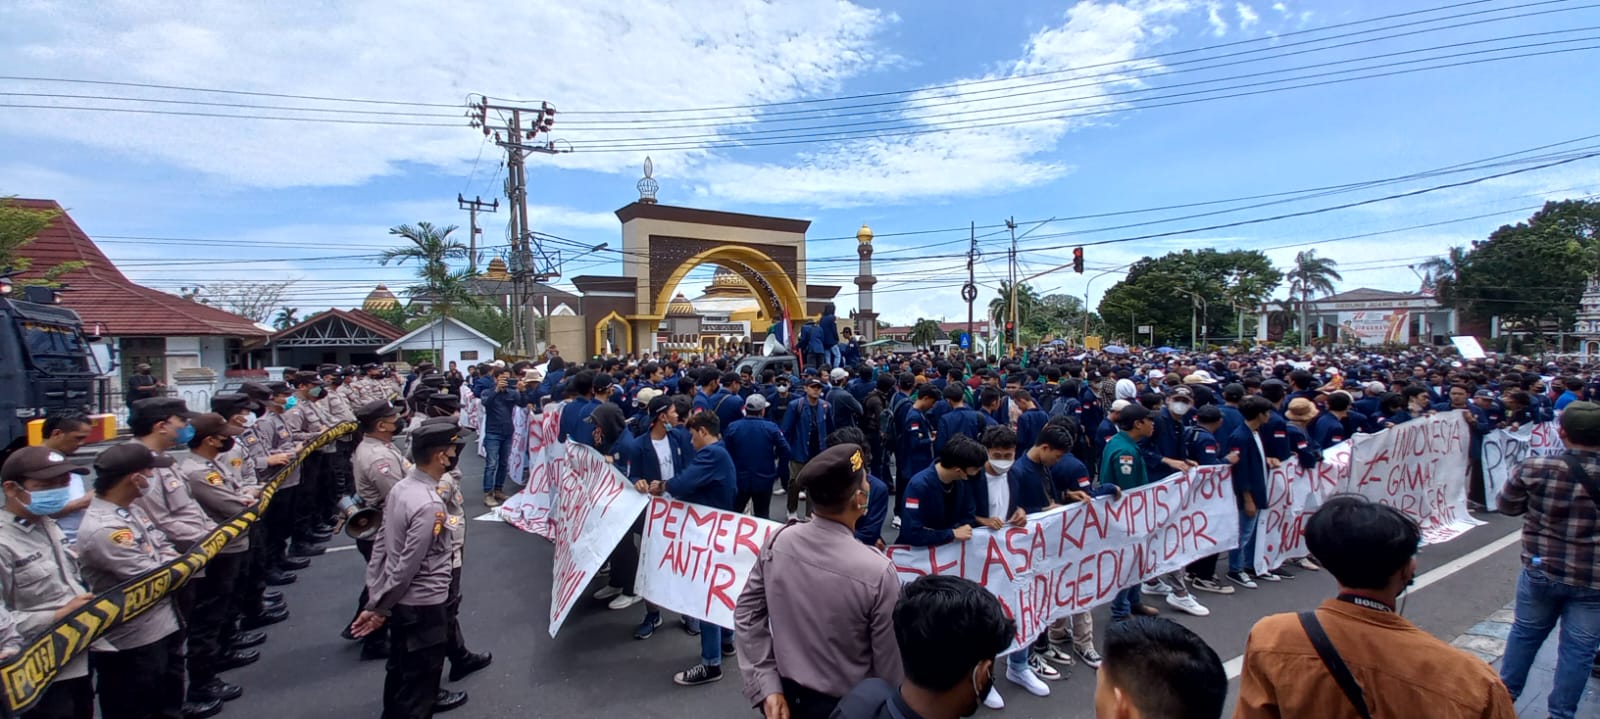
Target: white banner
x=530 y=508
x=1293 y=495
x=695 y=560
x=1074 y=558
x=1420 y=468
x=517 y=458
x=471 y=408
x=1504 y=450
x=595 y=506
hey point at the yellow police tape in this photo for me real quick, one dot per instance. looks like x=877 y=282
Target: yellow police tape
x=27 y=675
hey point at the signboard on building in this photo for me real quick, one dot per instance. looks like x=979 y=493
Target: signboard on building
x=737 y=329
x=1375 y=327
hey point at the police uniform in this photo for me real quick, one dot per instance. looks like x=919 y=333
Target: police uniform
x=38 y=576
x=378 y=467
x=248 y=462
x=411 y=590
x=462 y=660
x=218 y=492
x=139 y=663
x=306 y=423
x=273 y=430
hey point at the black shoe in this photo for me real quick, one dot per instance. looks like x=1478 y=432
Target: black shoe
x=305 y=550
x=215 y=690
x=313 y=537
x=201 y=710
x=325 y=528
x=272 y=596
x=290 y=564
x=245 y=640
x=273 y=603
x=374 y=650
x=448 y=700
x=279 y=577
x=237 y=658
x=697 y=675
x=469 y=664
x=264 y=619
x=728 y=649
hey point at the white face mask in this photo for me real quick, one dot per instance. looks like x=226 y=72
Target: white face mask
x=1001 y=465
x=1179 y=408
x=250 y=419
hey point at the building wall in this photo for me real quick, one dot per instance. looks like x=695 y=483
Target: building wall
x=571 y=335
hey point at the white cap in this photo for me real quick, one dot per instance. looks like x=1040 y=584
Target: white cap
x=1118 y=405
x=645 y=395
x=838 y=373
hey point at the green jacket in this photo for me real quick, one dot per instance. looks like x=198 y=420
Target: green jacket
x=1121 y=463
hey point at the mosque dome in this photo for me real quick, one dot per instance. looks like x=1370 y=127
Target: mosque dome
x=380 y=300
x=496 y=270
x=681 y=307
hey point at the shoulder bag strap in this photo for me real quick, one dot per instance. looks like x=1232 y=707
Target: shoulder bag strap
x=1590 y=484
x=1335 y=663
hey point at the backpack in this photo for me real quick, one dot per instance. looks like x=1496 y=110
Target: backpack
x=886 y=425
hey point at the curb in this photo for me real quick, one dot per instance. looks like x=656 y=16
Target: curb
x=1486 y=640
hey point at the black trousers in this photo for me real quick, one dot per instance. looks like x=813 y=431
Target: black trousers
x=280 y=524
x=381 y=636
x=1205 y=567
x=625 y=559
x=177 y=670
x=805 y=703
x=762 y=500
x=455 y=641
x=308 y=499
x=138 y=683
x=252 y=580
x=65 y=699
x=212 y=614
x=418 y=643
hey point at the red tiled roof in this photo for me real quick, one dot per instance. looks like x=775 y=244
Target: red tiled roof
x=360 y=318
x=102 y=295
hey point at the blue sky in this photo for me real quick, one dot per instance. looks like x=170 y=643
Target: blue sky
x=239 y=198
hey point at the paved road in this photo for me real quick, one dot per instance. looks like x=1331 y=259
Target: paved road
x=594 y=665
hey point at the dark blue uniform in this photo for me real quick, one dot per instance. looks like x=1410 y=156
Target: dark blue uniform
x=933 y=509
x=710 y=478
x=965 y=420
x=869 y=528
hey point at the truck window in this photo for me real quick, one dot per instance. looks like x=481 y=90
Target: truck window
x=54 y=349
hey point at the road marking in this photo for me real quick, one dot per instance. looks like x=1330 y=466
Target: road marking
x=341 y=548
x=1427 y=579
x=492 y=515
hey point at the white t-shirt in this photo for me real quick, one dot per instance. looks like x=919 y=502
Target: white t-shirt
x=664 y=457
x=999 y=494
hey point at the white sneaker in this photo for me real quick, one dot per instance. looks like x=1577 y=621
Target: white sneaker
x=779 y=492
x=1267 y=576
x=993 y=700
x=623 y=601
x=1187 y=603
x=895 y=522
x=1306 y=564
x=1028 y=680
x=1157 y=586
x=607 y=593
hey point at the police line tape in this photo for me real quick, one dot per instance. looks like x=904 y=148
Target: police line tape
x=27 y=675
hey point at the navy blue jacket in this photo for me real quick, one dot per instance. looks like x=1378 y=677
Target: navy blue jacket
x=497 y=410
x=869 y=528
x=916 y=441
x=965 y=420
x=847 y=409
x=643 y=463
x=1366 y=405
x=807 y=427
x=933 y=510
x=1168 y=439
x=1328 y=430
x=1032 y=487
x=728 y=407
x=811 y=338
x=709 y=479
x=1250 y=473
x=1305 y=448
x=1089 y=405
x=759 y=452
x=1275 y=437
x=1028 y=425
x=1232 y=420
x=829 y=324
x=1070 y=475
x=572 y=420
x=1202 y=447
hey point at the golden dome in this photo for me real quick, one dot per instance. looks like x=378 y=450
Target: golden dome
x=681 y=307
x=726 y=279
x=864 y=235
x=496 y=270
x=381 y=299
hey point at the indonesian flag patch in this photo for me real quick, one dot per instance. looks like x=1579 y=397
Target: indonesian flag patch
x=913 y=503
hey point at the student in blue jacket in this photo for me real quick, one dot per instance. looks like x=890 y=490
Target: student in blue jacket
x=760 y=454
x=500 y=401
x=806 y=424
x=1204 y=449
x=938 y=504
x=869 y=528
x=961 y=420
x=709 y=480
x=916 y=444
x=1250 y=489
x=658 y=454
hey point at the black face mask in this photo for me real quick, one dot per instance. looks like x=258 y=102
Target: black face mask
x=455 y=460
x=227 y=445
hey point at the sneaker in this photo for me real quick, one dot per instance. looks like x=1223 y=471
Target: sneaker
x=623 y=601
x=490 y=501
x=1186 y=603
x=1242 y=579
x=605 y=570
x=689 y=626
x=1056 y=655
x=1306 y=564
x=1091 y=658
x=895 y=522
x=1281 y=573
x=993 y=700
x=607 y=593
x=1043 y=670
x=1028 y=680
x=779 y=492
x=697 y=675
x=729 y=649
x=1267 y=576
x=1210 y=585
x=501 y=495
x=1158 y=586
x=647 y=628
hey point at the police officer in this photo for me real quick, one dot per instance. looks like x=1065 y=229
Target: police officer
x=337 y=408
x=273 y=429
x=407 y=592
x=444 y=408
x=217 y=489
x=139 y=662
x=378 y=467
x=249 y=462
x=38 y=574
x=305 y=422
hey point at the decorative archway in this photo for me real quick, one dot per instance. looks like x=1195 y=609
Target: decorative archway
x=604 y=323
x=774 y=290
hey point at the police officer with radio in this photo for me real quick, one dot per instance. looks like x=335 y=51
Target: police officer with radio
x=408 y=580
x=378 y=467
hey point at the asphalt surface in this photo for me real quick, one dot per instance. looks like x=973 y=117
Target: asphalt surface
x=595 y=665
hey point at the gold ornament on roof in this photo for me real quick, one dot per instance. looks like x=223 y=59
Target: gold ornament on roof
x=864 y=235
x=380 y=299
x=681 y=307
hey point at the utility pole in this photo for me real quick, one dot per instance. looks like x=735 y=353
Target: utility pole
x=474 y=206
x=530 y=263
x=1011 y=224
x=969 y=291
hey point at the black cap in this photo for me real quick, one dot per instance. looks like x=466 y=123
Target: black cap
x=256 y=391
x=375 y=410
x=658 y=405
x=129 y=457
x=368 y=367
x=431 y=435
x=39 y=463
x=432 y=379
x=279 y=388
x=602 y=380
x=228 y=404
x=309 y=378
x=1132 y=413
x=444 y=401
x=211 y=423
x=160 y=408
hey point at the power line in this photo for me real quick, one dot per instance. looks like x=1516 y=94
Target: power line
x=112 y=83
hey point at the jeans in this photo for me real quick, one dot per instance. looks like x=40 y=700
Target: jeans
x=1122 y=605
x=712 y=638
x=1018 y=660
x=496 y=461
x=836 y=356
x=1540 y=602
x=1247 y=545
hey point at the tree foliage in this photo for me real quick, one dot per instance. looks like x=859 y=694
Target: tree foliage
x=1150 y=294
x=255 y=301
x=925 y=332
x=1530 y=274
x=287 y=317
x=18 y=227
x=1310 y=275
x=488 y=319
x=431 y=249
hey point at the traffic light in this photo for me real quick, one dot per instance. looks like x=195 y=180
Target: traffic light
x=1011 y=336
x=1077 y=260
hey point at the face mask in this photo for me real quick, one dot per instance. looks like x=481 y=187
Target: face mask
x=250 y=420
x=45 y=502
x=1179 y=408
x=185 y=434
x=1001 y=465
x=227 y=445
x=315 y=392
x=291 y=402
x=783 y=389
x=453 y=462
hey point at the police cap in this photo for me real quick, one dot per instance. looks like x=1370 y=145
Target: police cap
x=834 y=475
x=160 y=408
x=433 y=435
x=256 y=391
x=211 y=423
x=228 y=404
x=37 y=463
x=447 y=402
x=375 y=410
x=129 y=457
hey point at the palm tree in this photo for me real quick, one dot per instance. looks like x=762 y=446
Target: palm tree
x=1443 y=272
x=286 y=318
x=924 y=333
x=1311 y=274
x=432 y=249
x=1027 y=301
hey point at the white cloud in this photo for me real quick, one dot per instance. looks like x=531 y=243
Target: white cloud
x=1247 y=16
x=1219 y=26
x=1281 y=8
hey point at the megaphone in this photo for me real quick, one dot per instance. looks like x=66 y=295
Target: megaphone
x=357 y=519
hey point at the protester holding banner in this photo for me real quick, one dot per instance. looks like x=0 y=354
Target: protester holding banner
x=38 y=574
x=816 y=615
x=939 y=505
x=658 y=455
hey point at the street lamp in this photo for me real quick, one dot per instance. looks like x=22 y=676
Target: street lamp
x=1194 y=318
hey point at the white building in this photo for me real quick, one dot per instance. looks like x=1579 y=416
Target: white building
x=449 y=340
